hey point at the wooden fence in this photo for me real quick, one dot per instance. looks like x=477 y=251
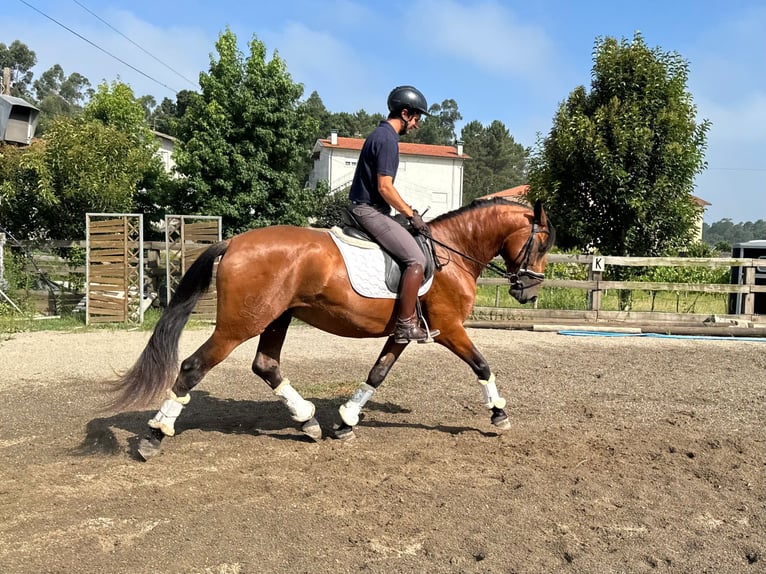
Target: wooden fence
x=593 y=288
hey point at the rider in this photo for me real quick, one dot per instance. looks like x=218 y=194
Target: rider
x=373 y=195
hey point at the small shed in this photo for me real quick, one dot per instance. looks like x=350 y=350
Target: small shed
x=18 y=120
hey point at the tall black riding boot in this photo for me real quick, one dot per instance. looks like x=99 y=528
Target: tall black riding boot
x=407 y=325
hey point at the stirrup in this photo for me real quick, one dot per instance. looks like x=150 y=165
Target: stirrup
x=410 y=330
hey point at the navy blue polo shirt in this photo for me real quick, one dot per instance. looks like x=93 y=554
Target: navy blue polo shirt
x=379 y=156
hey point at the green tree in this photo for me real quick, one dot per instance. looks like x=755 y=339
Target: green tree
x=99 y=161
x=438 y=128
x=316 y=109
x=497 y=161
x=244 y=140
x=20 y=59
x=618 y=166
x=59 y=94
x=725 y=233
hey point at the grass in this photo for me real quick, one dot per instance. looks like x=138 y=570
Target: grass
x=575 y=300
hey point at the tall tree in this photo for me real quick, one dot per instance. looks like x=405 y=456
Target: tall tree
x=74 y=89
x=438 y=128
x=243 y=141
x=497 y=161
x=59 y=94
x=618 y=166
x=20 y=59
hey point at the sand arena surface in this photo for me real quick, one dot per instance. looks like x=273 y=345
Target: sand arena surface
x=624 y=455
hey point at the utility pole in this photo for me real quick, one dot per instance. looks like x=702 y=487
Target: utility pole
x=6 y=81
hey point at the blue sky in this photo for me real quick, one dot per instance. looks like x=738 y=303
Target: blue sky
x=499 y=60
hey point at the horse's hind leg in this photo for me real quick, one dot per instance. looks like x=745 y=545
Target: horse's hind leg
x=193 y=369
x=266 y=366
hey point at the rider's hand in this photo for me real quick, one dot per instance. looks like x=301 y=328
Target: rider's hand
x=417 y=222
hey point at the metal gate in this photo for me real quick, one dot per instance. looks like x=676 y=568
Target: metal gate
x=186 y=237
x=114 y=270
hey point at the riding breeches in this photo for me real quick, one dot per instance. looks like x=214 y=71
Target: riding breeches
x=390 y=235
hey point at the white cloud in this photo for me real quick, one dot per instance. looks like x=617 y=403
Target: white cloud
x=486 y=34
x=328 y=65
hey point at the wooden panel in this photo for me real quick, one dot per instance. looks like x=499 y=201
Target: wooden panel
x=114 y=268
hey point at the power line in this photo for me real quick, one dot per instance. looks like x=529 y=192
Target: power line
x=134 y=43
x=98 y=47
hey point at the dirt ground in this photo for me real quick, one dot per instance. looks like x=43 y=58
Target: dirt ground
x=626 y=454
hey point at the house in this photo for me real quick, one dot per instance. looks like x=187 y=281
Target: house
x=519 y=193
x=430 y=177
x=165 y=152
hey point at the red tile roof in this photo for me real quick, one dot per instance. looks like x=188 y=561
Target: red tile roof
x=516 y=192
x=404 y=148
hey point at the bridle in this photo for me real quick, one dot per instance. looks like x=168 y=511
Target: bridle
x=523 y=278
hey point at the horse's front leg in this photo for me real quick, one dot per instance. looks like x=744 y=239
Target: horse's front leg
x=459 y=342
x=351 y=409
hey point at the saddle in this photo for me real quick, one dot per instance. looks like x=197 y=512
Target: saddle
x=393 y=271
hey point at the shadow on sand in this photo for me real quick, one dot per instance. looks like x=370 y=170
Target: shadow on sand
x=236 y=416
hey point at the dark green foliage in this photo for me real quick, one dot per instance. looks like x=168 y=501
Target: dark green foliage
x=617 y=169
x=244 y=141
x=98 y=161
x=724 y=234
x=497 y=161
x=438 y=128
x=20 y=59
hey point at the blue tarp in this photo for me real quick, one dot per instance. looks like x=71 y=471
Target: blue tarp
x=577 y=333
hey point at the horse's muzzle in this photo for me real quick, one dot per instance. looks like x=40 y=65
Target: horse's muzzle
x=525 y=284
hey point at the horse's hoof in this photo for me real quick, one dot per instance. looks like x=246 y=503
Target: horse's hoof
x=501 y=422
x=312 y=429
x=148 y=447
x=343 y=432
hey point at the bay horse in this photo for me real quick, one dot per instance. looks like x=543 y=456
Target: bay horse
x=269 y=275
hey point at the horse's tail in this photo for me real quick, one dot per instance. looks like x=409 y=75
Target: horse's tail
x=155 y=370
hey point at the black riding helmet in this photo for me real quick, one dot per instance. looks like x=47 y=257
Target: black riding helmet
x=407 y=97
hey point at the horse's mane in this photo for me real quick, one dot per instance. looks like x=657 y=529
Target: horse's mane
x=479 y=204
x=482 y=203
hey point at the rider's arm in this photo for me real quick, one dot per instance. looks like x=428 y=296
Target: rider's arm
x=392 y=197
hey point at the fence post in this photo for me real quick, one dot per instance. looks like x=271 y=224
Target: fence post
x=595 y=273
x=749 y=296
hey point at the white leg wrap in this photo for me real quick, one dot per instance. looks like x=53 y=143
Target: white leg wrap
x=300 y=409
x=165 y=419
x=349 y=411
x=489 y=392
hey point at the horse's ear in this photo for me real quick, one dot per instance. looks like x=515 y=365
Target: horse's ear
x=540 y=217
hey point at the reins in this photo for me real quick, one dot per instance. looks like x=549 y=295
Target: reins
x=514 y=278
x=493 y=266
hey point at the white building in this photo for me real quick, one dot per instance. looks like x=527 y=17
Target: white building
x=165 y=152
x=429 y=177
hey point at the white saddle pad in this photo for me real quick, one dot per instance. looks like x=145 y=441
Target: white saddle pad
x=366 y=266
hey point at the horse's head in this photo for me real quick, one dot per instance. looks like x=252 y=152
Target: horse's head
x=524 y=252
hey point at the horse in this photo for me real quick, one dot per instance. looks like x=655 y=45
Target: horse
x=268 y=276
